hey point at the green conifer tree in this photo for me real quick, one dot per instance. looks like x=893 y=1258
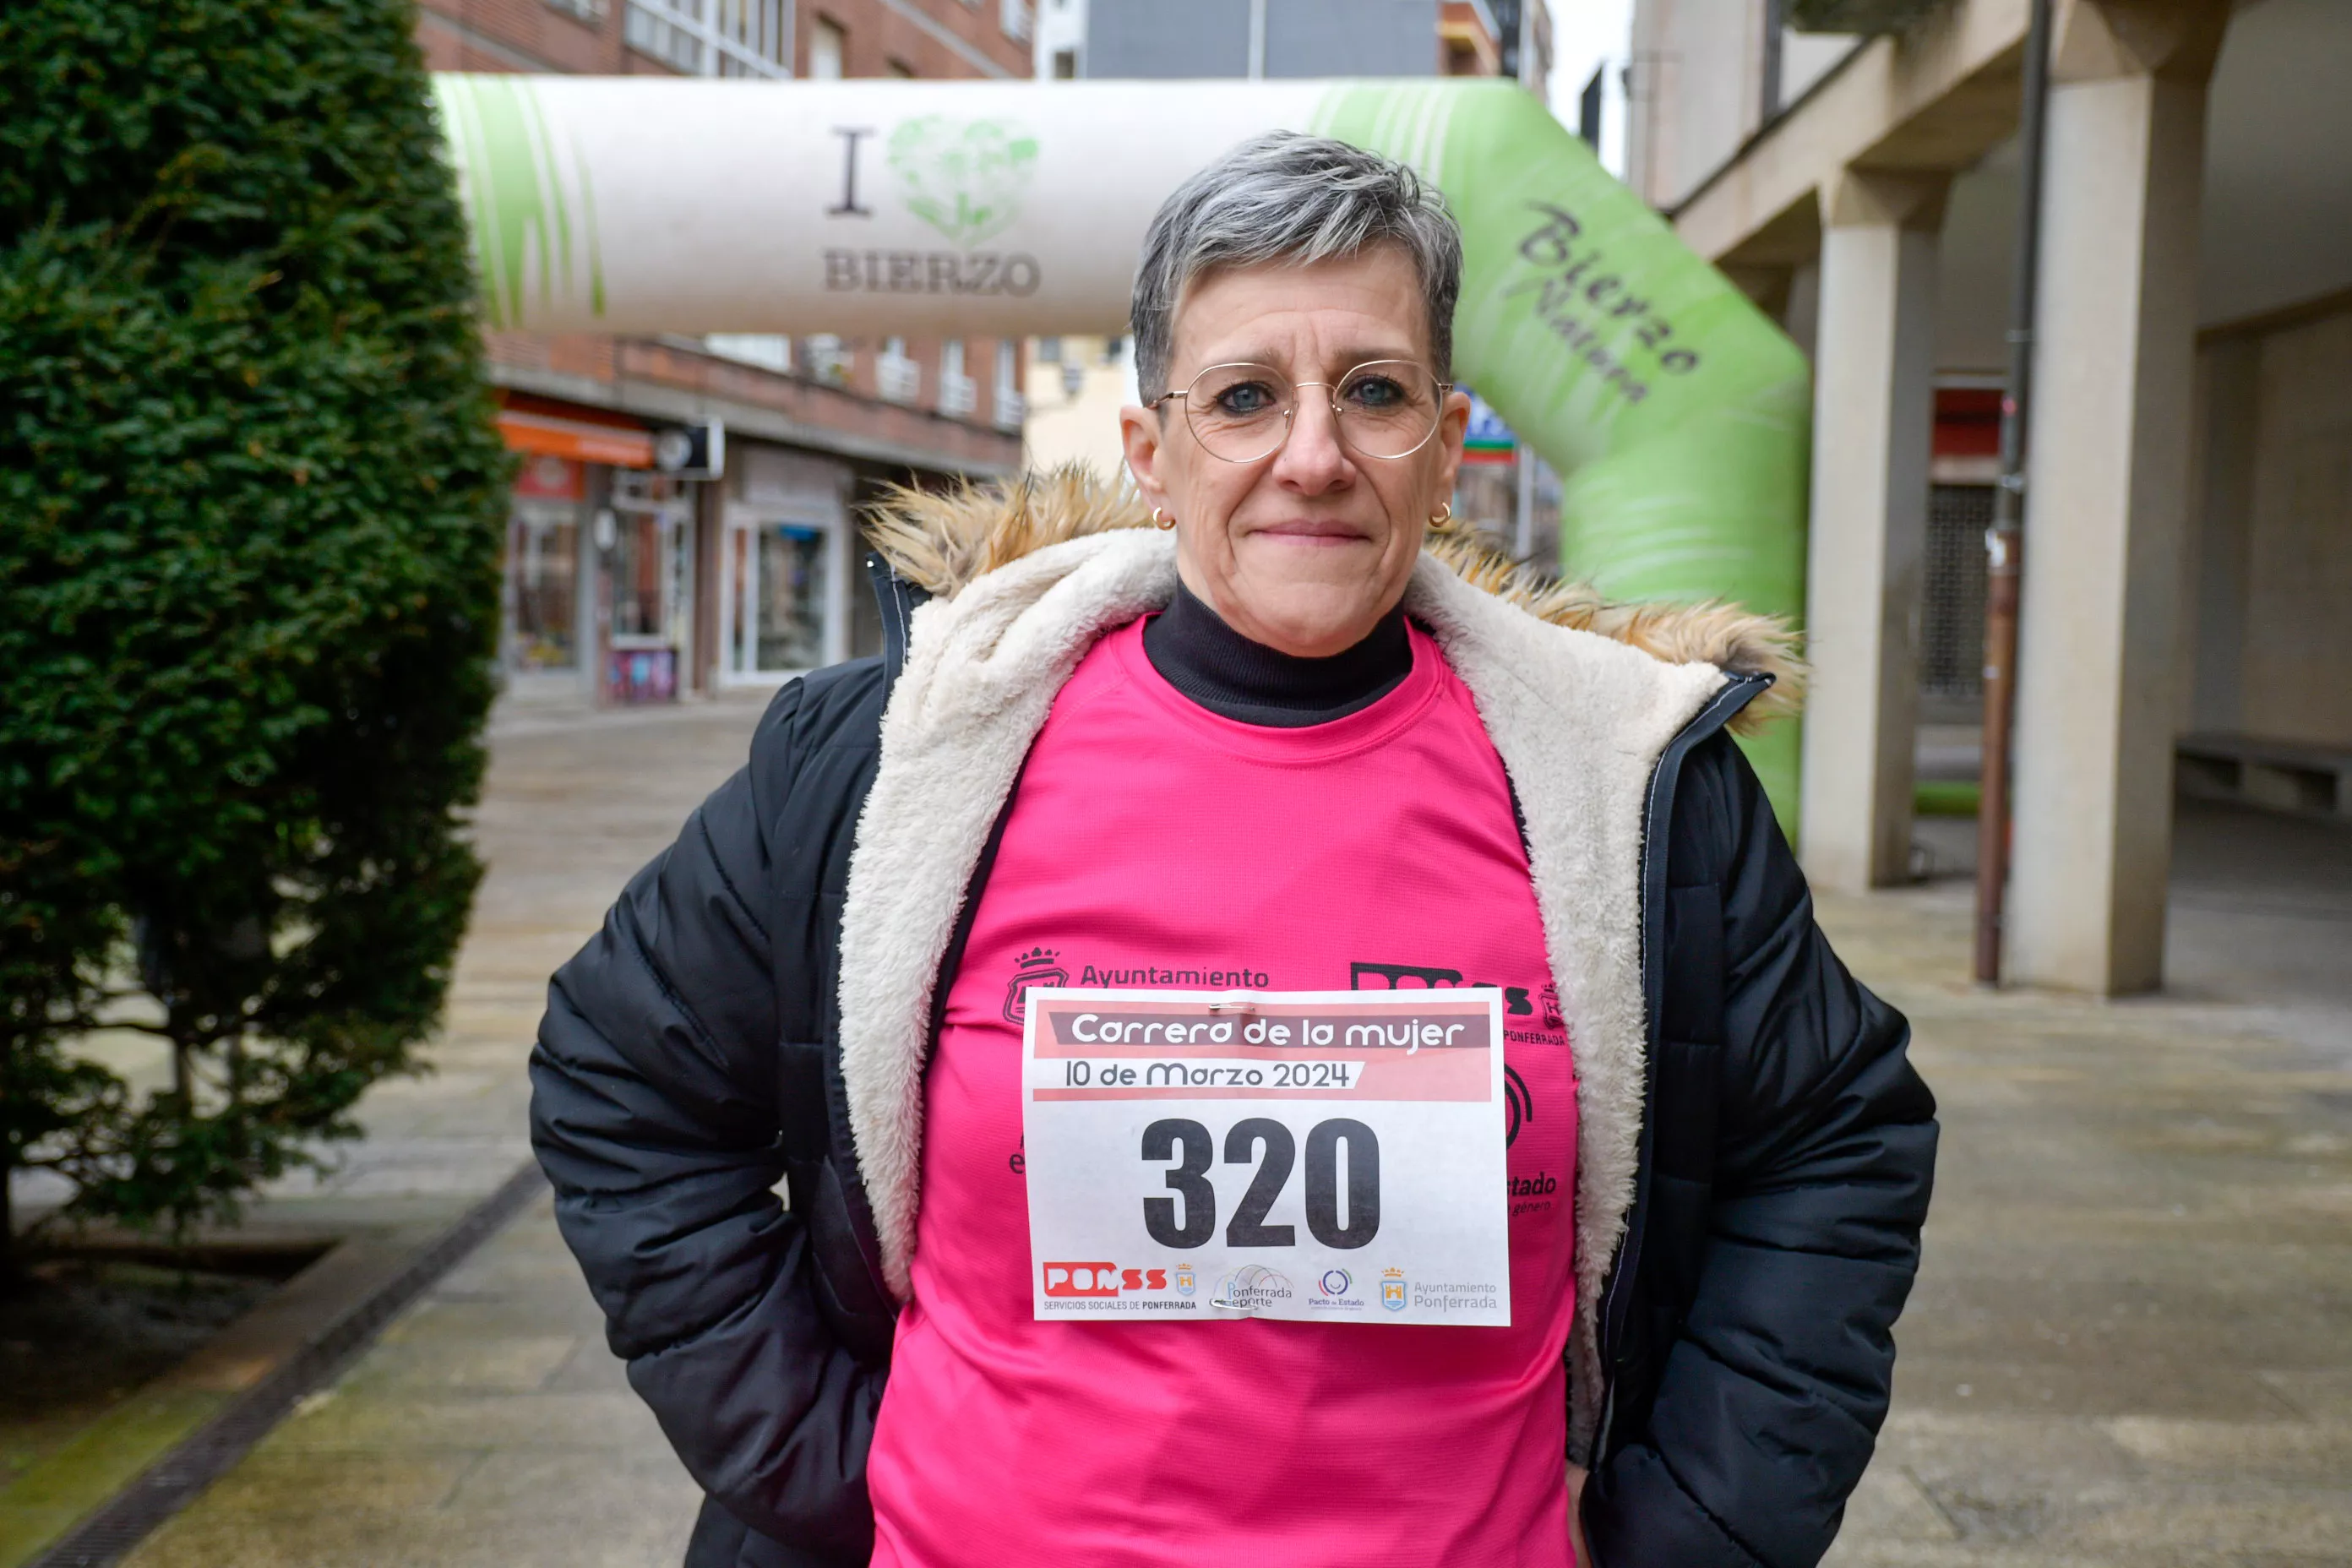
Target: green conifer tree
x=251 y=496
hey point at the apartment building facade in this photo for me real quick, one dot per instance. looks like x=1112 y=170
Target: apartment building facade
x=2188 y=542
x=685 y=517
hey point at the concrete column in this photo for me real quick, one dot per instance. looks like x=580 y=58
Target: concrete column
x=1874 y=419
x=2106 y=497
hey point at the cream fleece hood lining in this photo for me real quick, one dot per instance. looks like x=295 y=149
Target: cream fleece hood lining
x=1579 y=698
x=942 y=541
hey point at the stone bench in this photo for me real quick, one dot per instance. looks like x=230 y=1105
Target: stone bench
x=2277 y=775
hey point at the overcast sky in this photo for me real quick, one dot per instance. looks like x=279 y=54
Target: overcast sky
x=1586 y=34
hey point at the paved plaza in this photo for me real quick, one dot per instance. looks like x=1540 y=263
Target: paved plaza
x=2131 y=1345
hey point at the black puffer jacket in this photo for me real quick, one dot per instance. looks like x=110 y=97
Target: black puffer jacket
x=688 y=1065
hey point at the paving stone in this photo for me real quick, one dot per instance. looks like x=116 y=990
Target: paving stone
x=216 y=1539
x=1891 y=1506
x=595 y=1422
x=2248 y=1519
x=294 y=1481
x=536 y=1484
x=2323 y=1394
x=2320 y=1450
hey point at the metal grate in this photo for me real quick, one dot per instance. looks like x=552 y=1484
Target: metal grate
x=171 y=1482
x=1952 y=596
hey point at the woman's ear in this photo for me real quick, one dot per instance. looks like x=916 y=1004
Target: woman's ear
x=1140 y=433
x=1453 y=430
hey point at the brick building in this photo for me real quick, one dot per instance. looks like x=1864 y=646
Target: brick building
x=686 y=514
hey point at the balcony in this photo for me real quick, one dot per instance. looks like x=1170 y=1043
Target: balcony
x=826 y=360
x=959 y=396
x=899 y=378
x=1012 y=409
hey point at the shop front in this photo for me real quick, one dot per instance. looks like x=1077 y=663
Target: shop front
x=646 y=539
x=786 y=568
x=601 y=551
x=543 y=602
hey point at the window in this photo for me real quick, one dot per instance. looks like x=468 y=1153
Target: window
x=1011 y=407
x=712 y=37
x=1015 y=19
x=827 y=359
x=957 y=397
x=896 y=375
x=1952 y=596
x=767 y=352
x=1065 y=65
x=543 y=574
x=1049 y=351
x=589 y=11
x=828 y=46
x=779 y=608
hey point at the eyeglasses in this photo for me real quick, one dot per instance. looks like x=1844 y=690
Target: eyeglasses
x=1241 y=413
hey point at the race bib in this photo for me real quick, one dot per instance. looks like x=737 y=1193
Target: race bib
x=1324 y=1156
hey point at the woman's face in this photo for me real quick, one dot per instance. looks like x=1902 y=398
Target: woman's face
x=1306 y=549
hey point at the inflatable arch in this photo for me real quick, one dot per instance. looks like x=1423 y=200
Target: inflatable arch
x=1676 y=413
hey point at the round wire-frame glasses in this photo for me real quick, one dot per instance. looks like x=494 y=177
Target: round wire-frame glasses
x=1242 y=412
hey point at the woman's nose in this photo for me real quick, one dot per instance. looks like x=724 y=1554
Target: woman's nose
x=1314 y=458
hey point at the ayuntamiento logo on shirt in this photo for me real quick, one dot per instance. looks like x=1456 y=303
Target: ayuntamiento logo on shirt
x=1038 y=967
x=1043 y=965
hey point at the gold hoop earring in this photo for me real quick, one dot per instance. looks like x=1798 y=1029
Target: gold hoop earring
x=1160 y=521
x=1442 y=516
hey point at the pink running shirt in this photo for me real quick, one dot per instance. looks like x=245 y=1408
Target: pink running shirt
x=1154 y=843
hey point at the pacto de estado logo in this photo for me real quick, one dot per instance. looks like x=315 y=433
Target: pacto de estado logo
x=1098 y=1280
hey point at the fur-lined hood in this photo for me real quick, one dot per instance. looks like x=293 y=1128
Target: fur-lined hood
x=943 y=540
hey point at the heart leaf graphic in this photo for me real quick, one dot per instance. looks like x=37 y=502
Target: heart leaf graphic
x=964 y=178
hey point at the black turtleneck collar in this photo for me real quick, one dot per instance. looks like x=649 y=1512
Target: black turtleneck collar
x=1228 y=674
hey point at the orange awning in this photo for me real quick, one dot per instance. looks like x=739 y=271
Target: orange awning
x=577 y=438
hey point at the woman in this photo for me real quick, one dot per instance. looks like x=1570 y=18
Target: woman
x=1298 y=737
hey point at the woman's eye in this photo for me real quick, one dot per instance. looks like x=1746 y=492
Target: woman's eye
x=1376 y=392
x=1249 y=397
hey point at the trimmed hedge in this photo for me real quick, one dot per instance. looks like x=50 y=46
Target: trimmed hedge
x=251 y=505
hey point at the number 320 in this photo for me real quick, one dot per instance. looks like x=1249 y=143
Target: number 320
x=1189 y=1181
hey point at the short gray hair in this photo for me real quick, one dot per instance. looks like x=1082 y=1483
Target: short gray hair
x=1287 y=198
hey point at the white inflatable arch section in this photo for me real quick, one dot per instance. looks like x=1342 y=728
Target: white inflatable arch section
x=1676 y=413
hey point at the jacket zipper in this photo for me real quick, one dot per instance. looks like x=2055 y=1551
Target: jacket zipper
x=1616 y=1295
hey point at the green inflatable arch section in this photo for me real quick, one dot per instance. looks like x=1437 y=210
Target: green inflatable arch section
x=1676 y=413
